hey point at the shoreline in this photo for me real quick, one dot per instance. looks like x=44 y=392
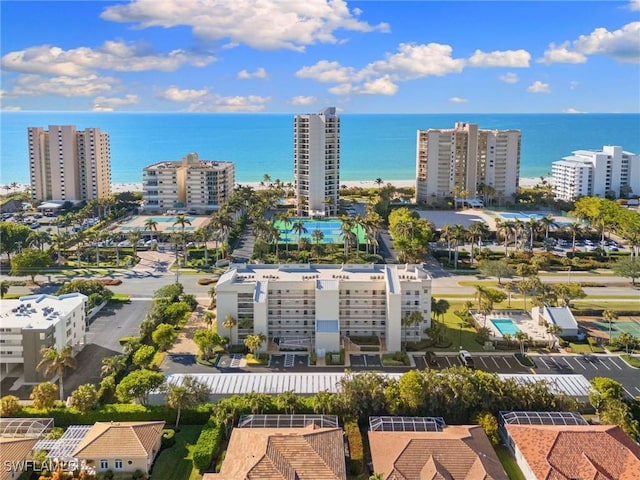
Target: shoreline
x=527 y=182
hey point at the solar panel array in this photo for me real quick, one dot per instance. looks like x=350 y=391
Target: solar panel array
x=406 y=424
x=287 y=421
x=542 y=418
x=24 y=427
x=64 y=446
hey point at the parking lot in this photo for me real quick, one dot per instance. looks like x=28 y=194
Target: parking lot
x=488 y=363
x=591 y=366
x=289 y=360
x=229 y=361
x=371 y=360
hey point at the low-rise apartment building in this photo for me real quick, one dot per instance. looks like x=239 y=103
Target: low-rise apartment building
x=190 y=184
x=34 y=322
x=610 y=172
x=320 y=305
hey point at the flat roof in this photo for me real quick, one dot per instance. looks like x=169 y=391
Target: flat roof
x=38 y=311
x=309 y=383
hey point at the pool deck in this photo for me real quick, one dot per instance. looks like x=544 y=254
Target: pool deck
x=520 y=318
x=165 y=224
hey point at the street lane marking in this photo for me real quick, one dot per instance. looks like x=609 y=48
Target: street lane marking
x=507 y=362
x=567 y=362
x=448 y=361
x=545 y=363
x=581 y=363
x=605 y=365
x=494 y=361
x=629 y=393
x=483 y=362
x=611 y=360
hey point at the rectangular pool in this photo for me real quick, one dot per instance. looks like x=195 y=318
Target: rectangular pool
x=505 y=326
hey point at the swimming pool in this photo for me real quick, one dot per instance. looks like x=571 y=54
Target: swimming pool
x=163 y=219
x=521 y=216
x=505 y=326
x=330 y=229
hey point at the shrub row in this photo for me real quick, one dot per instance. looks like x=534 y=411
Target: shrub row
x=208 y=444
x=64 y=417
x=356 y=447
x=168 y=437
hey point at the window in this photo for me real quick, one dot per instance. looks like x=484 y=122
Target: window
x=118 y=463
x=104 y=464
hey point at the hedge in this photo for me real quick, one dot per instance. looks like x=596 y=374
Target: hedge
x=356 y=448
x=208 y=444
x=168 y=437
x=64 y=417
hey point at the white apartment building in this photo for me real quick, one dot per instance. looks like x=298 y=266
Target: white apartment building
x=69 y=165
x=462 y=159
x=319 y=305
x=610 y=172
x=316 y=163
x=34 y=322
x=190 y=184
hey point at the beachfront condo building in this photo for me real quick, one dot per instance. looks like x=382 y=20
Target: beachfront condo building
x=193 y=185
x=34 y=322
x=466 y=163
x=321 y=306
x=316 y=163
x=610 y=172
x=66 y=164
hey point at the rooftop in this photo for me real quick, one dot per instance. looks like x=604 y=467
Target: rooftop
x=565 y=452
x=38 y=311
x=133 y=439
x=457 y=452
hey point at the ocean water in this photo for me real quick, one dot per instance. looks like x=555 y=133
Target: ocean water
x=372 y=145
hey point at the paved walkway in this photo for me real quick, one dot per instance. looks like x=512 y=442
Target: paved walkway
x=244 y=246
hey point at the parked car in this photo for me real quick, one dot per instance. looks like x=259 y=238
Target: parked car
x=466 y=358
x=34 y=225
x=151 y=242
x=124 y=243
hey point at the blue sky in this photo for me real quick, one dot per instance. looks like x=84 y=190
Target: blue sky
x=302 y=55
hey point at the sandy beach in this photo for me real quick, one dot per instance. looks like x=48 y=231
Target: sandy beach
x=137 y=187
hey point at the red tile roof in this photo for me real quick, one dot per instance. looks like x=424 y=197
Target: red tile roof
x=309 y=453
x=459 y=452
x=566 y=452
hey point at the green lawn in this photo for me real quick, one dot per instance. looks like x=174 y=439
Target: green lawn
x=509 y=464
x=633 y=361
x=176 y=462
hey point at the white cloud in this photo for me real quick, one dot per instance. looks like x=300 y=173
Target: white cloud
x=11 y=108
x=506 y=58
x=64 y=86
x=261 y=24
x=379 y=86
x=634 y=5
x=571 y=110
x=458 y=100
x=411 y=61
x=539 y=87
x=109 y=104
x=217 y=103
x=303 y=100
x=117 y=56
x=573 y=85
x=246 y=75
x=510 y=77
x=327 y=72
x=416 y=61
x=561 y=54
x=175 y=94
x=621 y=45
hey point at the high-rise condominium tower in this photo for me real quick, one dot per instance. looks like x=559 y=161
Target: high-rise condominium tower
x=316 y=158
x=69 y=165
x=610 y=172
x=466 y=162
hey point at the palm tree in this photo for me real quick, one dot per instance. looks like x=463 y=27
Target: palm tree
x=548 y=222
x=113 y=365
x=346 y=228
x=317 y=237
x=446 y=232
x=38 y=239
x=459 y=233
x=379 y=182
x=507 y=228
x=230 y=322
x=299 y=228
x=254 y=342
x=4 y=288
x=285 y=218
x=134 y=237
x=610 y=316
x=575 y=229
x=477 y=231
x=183 y=222
x=54 y=361
x=151 y=225
x=552 y=330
